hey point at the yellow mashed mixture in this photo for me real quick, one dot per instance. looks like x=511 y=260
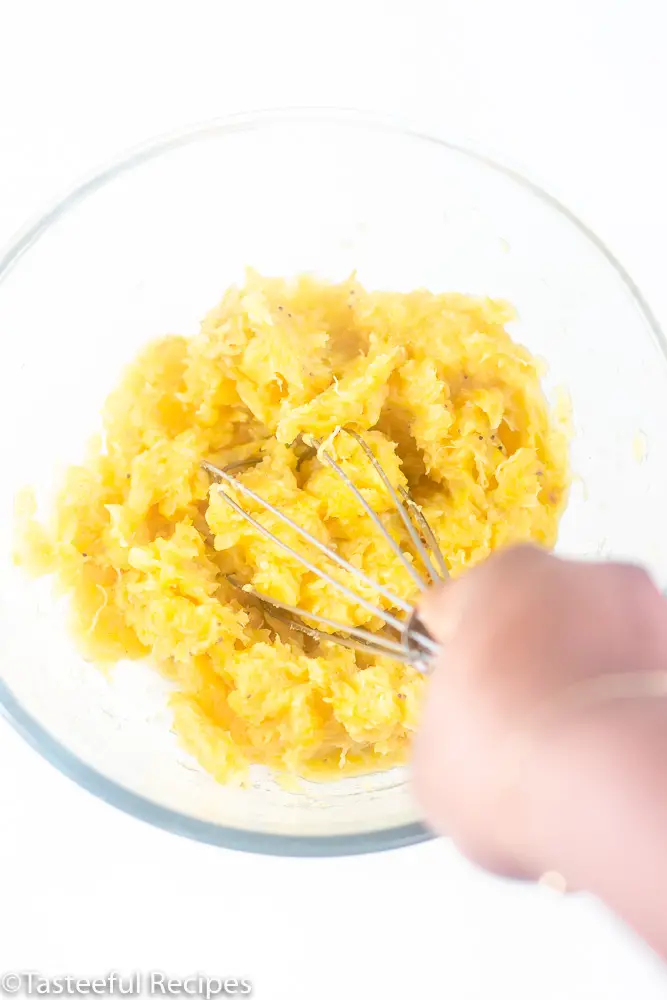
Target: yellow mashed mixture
x=143 y=543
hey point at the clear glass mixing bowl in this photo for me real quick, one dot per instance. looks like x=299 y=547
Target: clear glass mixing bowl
x=145 y=248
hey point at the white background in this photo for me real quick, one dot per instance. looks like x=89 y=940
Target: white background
x=572 y=92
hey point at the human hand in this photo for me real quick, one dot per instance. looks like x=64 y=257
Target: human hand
x=545 y=669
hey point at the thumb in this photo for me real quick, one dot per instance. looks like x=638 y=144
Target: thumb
x=440 y=608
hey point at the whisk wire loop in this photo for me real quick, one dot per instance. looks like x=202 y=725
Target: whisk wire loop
x=415 y=647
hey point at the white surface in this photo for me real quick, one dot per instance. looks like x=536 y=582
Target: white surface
x=573 y=94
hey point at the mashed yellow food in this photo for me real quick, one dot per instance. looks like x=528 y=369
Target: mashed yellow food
x=143 y=543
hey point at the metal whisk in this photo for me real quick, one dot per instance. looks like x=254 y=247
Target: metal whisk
x=414 y=645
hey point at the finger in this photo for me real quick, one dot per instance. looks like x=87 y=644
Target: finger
x=442 y=608
x=437 y=611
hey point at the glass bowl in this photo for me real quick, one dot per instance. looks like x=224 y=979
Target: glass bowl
x=145 y=248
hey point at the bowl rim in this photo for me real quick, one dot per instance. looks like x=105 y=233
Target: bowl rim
x=36 y=735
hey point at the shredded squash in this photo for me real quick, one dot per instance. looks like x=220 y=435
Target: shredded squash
x=143 y=542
